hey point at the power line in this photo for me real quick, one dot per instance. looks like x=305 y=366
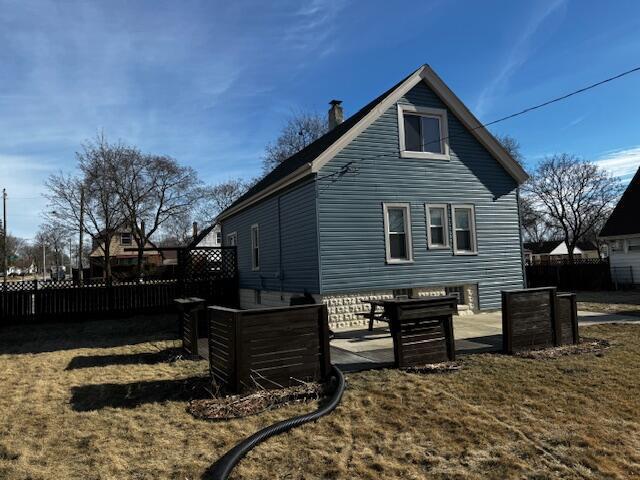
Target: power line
x=563 y=97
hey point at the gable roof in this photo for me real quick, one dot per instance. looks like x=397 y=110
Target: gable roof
x=548 y=246
x=310 y=159
x=200 y=236
x=537 y=248
x=624 y=220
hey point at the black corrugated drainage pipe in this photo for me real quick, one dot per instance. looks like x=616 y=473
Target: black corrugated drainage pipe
x=222 y=468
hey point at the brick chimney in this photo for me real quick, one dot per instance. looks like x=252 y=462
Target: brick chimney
x=195 y=229
x=336 y=115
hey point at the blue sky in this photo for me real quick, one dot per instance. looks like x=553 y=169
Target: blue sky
x=210 y=83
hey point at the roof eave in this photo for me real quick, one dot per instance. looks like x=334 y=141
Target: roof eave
x=293 y=177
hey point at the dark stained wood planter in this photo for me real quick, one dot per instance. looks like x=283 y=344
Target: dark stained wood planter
x=537 y=318
x=269 y=347
x=189 y=322
x=422 y=329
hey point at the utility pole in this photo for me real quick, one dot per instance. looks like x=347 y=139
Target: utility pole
x=44 y=261
x=80 y=269
x=70 y=257
x=5 y=265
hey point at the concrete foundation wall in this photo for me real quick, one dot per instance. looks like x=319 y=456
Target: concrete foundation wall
x=344 y=308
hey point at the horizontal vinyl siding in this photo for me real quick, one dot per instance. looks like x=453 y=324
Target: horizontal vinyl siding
x=352 y=244
x=299 y=242
x=625 y=267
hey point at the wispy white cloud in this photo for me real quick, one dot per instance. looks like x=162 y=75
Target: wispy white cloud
x=522 y=49
x=622 y=163
x=574 y=122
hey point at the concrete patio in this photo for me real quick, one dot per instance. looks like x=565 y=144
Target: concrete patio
x=359 y=349
x=354 y=350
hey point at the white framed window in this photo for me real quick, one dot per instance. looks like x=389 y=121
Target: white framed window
x=464 y=229
x=423 y=132
x=633 y=244
x=232 y=239
x=437 y=225
x=257 y=297
x=397 y=232
x=218 y=238
x=125 y=238
x=255 y=247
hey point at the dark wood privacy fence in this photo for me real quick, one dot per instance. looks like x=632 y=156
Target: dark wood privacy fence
x=537 y=318
x=422 y=330
x=584 y=274
x=268 y=348
x=214 y=280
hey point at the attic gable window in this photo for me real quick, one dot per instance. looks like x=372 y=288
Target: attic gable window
x=125 y=238
x=423 y=132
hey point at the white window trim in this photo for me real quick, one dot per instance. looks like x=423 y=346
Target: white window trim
x=474 y=239
x=129 y=243
x=407 y=226
x=441 y=114
x=445 y=225
x=255 y=260
x=232 y=235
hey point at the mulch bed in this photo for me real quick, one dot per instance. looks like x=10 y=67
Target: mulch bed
x=586 y=345
x=237 y=406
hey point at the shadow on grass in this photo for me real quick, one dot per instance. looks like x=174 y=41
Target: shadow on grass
x=91 y=334
x=88 y=398
x=142 y=358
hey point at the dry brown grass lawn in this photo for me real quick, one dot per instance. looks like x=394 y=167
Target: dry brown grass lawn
x=103 y=403
x=625 y=302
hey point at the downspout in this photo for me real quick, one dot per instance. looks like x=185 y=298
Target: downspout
x=317 y=212
x=522 y=263
x=280 y=270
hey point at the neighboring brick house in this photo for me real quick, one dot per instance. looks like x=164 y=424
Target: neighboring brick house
x=123 y=260
x=408 y=195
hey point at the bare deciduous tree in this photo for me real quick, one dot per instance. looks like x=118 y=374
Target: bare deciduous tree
x=216 y=198
x=54 y=236
x=300 y=130
x=153 y=189
x=573 y=194
x=103 y=211
x=512 y=146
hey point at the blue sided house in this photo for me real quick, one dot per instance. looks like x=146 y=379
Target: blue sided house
x=409 y=196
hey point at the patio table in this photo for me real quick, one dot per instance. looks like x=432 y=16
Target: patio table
x=372 y=315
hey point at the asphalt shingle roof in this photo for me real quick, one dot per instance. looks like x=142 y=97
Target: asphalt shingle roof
x=316 y=148
x=625 y=218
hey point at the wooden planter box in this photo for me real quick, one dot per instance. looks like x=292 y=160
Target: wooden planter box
x=537 y=318
x=422 y=330
x=190 y=318
x=269 y=347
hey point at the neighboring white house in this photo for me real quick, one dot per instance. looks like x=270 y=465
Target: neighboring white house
x=622 y=234
x=209 y=237
x=550 y=251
